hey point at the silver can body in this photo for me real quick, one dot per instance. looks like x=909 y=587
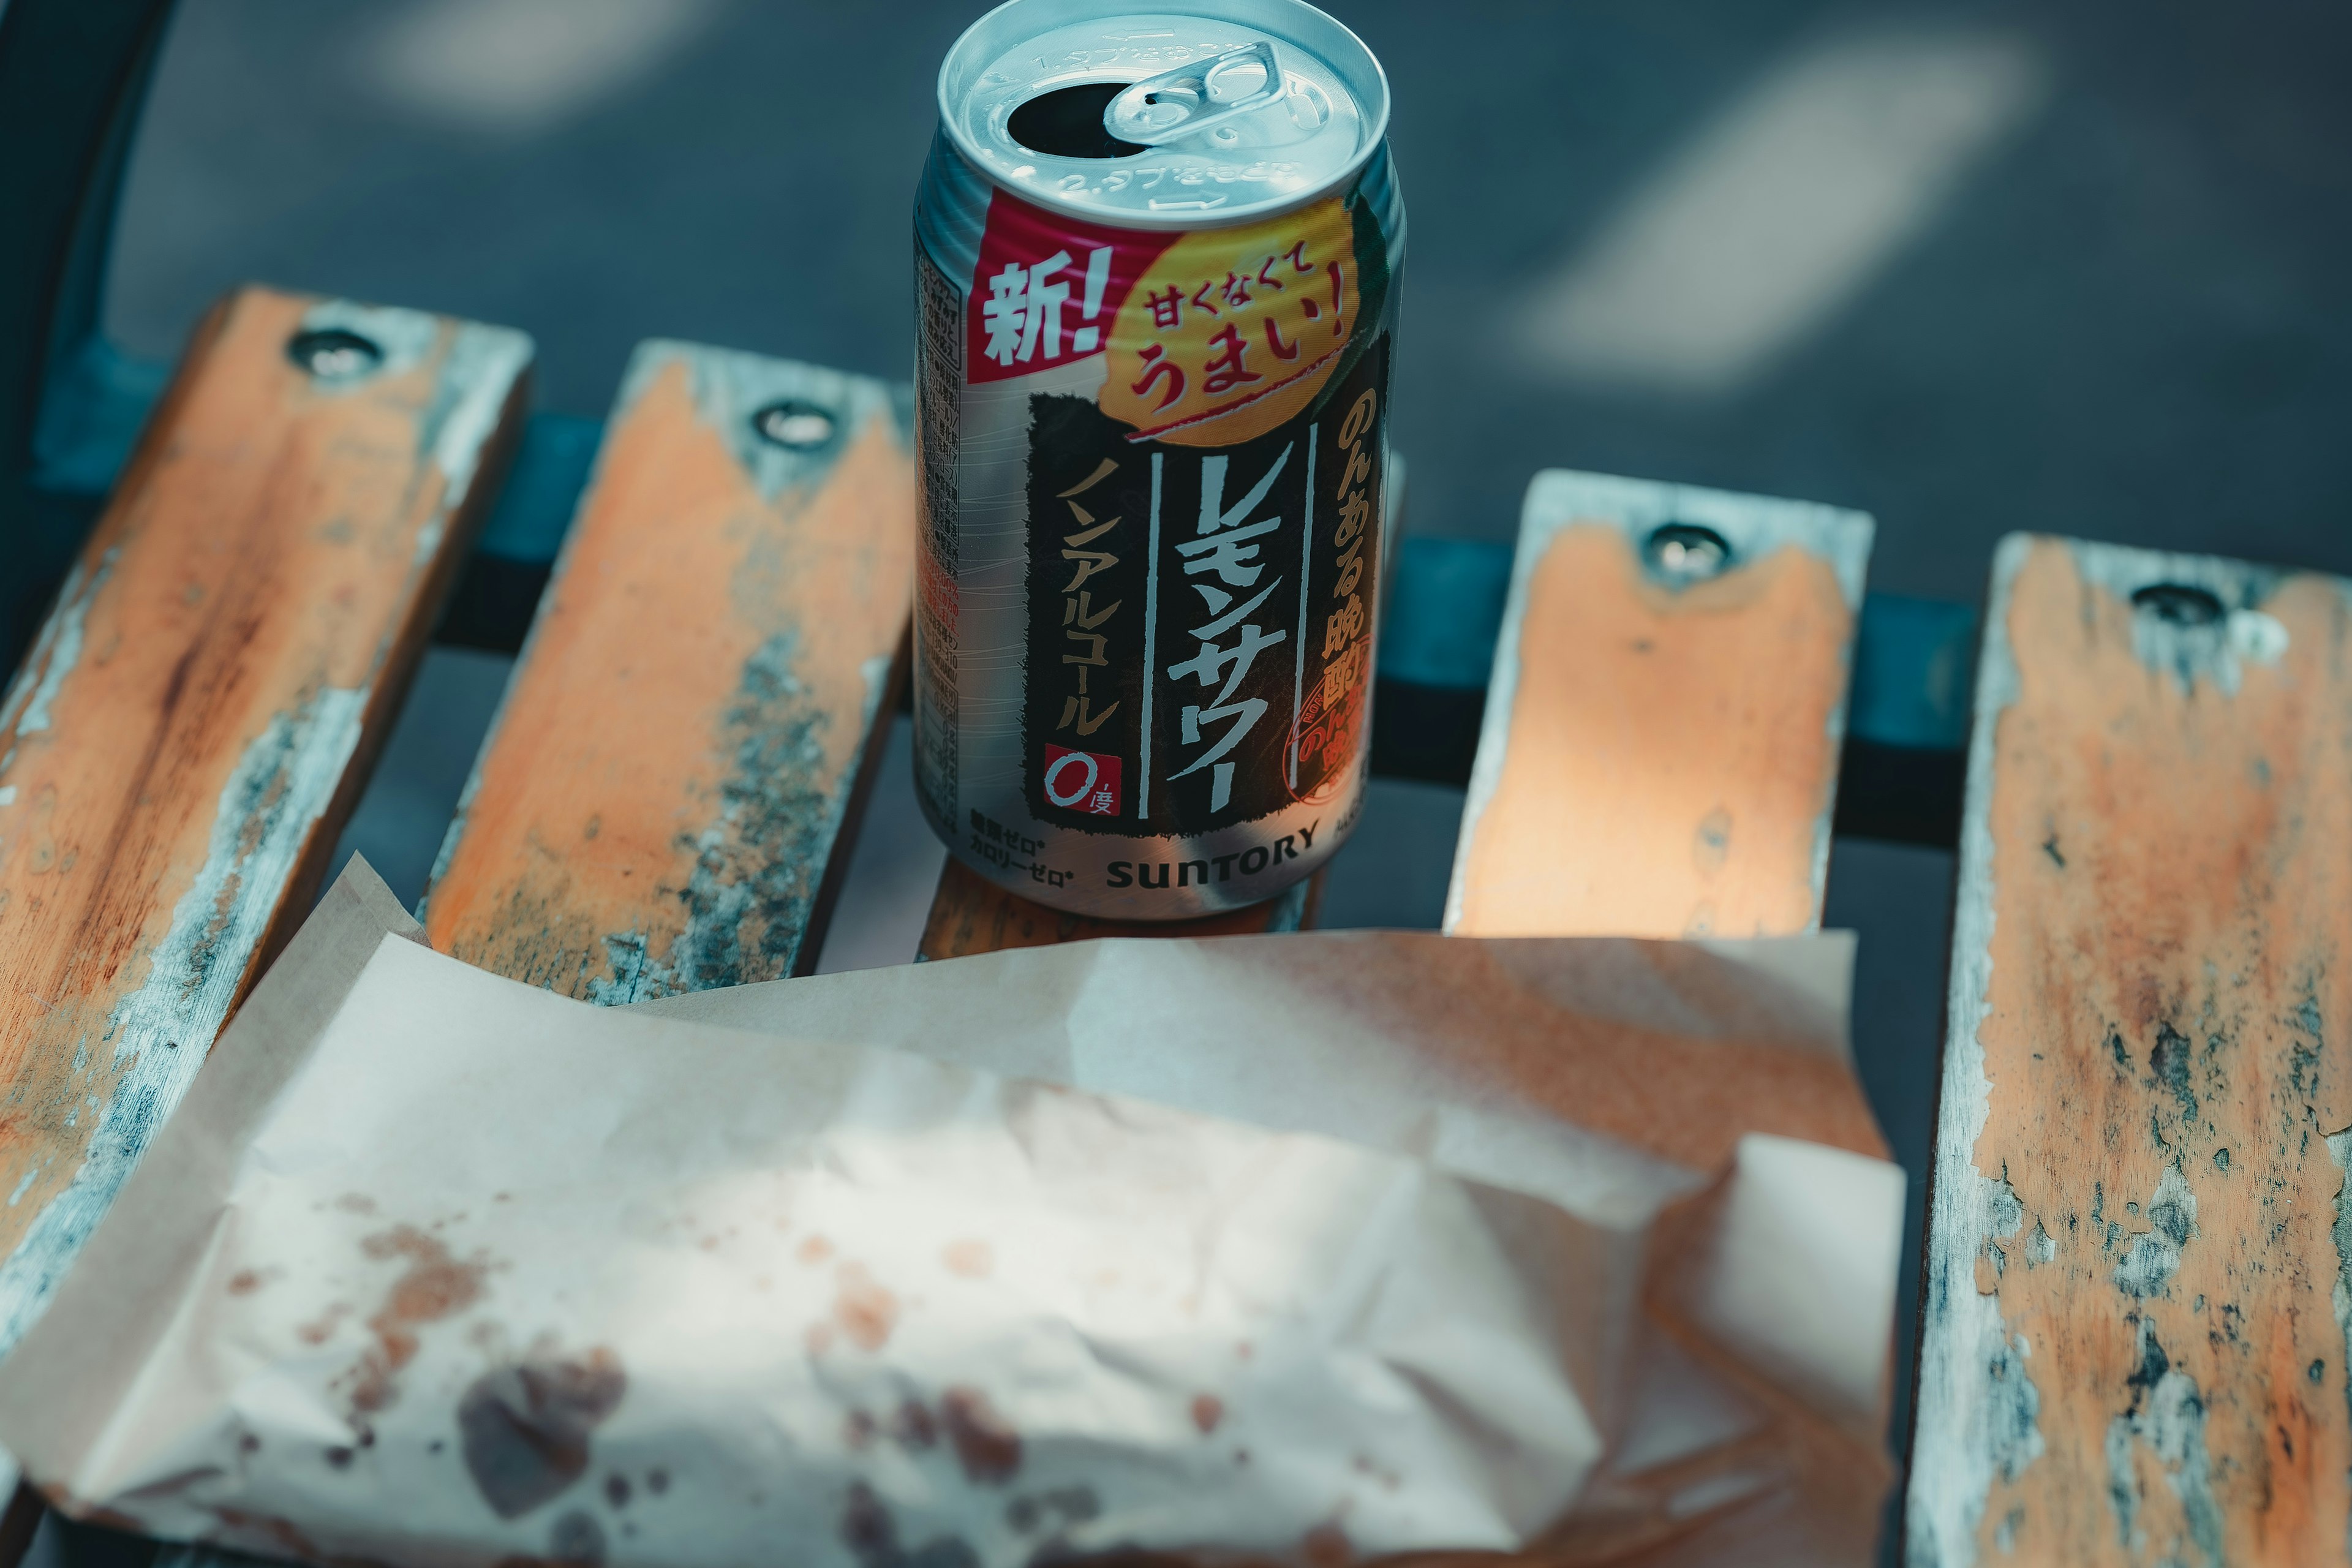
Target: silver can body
x=1153 y=383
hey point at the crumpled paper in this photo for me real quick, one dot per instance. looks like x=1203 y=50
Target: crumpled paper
x=1307 y=1248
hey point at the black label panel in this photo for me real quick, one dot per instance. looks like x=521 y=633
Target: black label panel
x=1200 y=618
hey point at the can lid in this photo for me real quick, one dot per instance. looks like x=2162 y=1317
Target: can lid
x=1223 y=111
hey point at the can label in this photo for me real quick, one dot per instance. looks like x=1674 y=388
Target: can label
x=1197 y=615
x=1188 y=428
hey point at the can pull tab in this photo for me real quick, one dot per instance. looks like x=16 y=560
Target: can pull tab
x=1194 y=98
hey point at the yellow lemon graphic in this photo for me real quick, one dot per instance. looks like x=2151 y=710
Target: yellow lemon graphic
x=1233 y=331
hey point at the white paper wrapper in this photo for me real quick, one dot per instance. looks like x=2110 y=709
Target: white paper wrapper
x=1301 y=1248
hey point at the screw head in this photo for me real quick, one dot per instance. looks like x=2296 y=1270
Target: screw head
x=334 y=354
x=1684 y=553
x=2178 y=603
x=793 y=425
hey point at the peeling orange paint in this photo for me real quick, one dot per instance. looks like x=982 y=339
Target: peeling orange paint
x=687 y=611
x=271 y=558
x=2164 y=1038
x=1671 y=763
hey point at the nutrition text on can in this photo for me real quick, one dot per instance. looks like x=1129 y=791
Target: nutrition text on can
x=1157 y=258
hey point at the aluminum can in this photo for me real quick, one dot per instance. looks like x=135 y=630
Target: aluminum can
x=1157 y=258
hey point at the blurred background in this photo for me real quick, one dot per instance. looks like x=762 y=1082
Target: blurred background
x=1971 y=268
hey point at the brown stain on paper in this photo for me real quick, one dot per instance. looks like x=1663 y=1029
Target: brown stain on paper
x=526 y=1426
x=1670 y=764
x=2169 y=996
x=972 y=1260
x=864 y=1309
x=434 y=1287
x=986 y=1444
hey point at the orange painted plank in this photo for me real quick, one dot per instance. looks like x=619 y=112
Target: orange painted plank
x=2133 y=1344
x=695 y=715
x=1660 y=750
x=196 y=718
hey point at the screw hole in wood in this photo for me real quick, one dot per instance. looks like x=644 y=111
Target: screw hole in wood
x=1684 y=552
x=795 y=427
x=334 y=354
x=2178 y=603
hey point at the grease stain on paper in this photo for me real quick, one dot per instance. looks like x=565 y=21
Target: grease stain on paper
x=434 y=1287
x=972 y=1260
x=986 y=1444
x=526 y=1426
x=866 y=1311
x=871 y=1534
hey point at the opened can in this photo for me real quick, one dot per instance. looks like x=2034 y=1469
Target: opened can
x=1157 y=258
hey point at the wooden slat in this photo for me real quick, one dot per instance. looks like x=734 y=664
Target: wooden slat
x=1659 y=756
x=696 y=714
x=2132 y=1345
x=195 y=719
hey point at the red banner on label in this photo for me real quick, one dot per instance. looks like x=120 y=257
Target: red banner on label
x=1045 y=290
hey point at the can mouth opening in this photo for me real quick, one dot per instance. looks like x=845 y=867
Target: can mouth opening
x=1067 y=122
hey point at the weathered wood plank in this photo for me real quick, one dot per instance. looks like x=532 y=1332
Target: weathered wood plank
x=2133 y=1343
x=1658 y=757
x=1659 y=753
x=695 y=718
x=196 y=718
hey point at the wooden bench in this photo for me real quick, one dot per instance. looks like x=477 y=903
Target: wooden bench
x=2131 y=1347
x=667 y=797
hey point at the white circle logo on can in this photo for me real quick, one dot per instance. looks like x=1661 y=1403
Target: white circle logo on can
x=1053 y=771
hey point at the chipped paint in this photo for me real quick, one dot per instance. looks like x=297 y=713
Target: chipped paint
x=477 y=374
x=756 y=869
x=406 y=338
x=785 y=567
x=280 y=789
x=33 y=692
x=2216 y=651
x=2339 y=1149
x=2151 y=852
x=177 y=772
x=2166 y=1419
x=1765 y=536
x=483 y=366
x=2153 y=1257
x=1975 y=1408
